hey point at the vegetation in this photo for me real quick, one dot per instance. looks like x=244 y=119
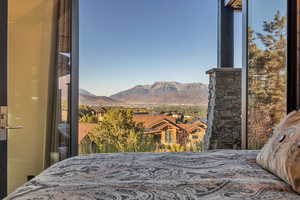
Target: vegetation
x=179 y=148
x=194 y=111
x=87 y=114
x=117 y=132
x=267 y=79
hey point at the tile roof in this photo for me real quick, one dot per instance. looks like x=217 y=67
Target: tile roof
x=84 y=129
x=99 y=109
x=150 y=120
x=190 y=127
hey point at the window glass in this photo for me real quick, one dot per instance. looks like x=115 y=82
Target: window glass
x=267 y=39
x=142 y=72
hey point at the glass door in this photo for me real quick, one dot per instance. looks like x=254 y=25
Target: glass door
x=30 y=25
x=36 y=89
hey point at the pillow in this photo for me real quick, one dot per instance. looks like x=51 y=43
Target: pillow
x=281 y=154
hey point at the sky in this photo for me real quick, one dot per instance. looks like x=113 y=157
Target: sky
x=124 y=43
x=260 y=10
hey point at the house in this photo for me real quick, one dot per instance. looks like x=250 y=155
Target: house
x=167 y=131
x=99 y=111
x=84 y=143
x=164 y=128
x=195 y=130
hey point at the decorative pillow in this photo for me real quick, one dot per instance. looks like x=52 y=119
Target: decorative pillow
x=281 y=155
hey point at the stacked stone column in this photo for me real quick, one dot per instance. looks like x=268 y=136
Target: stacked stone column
x=224 y=109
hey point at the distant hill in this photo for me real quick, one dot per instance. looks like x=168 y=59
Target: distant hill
x=86 y=93
x=165 y=93
x=88 y=98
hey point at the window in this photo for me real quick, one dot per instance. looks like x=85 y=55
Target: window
x=267 y=69
x=157 y=139
x=142 y=69
x=195 y=137
x=168 y=136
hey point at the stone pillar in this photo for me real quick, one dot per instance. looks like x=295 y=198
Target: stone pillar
x=224 y=109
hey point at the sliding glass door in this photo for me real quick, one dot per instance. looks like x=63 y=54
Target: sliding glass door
x=37 y=93
x=267 y=68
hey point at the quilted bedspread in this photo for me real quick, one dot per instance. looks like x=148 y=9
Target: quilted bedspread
x=216 y=175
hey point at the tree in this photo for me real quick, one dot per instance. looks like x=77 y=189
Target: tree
x=267 y=79
x=117 y=132
x=87 y=114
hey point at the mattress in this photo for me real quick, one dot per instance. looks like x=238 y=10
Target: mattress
x=214 y=175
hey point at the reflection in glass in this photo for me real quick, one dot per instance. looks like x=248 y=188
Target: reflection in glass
x=267 y=35
x=38 y=86
x=60 y=137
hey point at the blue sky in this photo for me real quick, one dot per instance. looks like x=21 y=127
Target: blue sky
x=260 y=10
x=124 y=43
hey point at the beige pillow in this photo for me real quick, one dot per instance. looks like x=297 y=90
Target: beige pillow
x=281 y=155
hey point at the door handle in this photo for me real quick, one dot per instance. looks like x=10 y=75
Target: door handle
x=4 y=131
x=14 y=127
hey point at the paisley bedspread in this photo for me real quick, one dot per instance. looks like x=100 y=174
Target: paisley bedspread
x=216 y=175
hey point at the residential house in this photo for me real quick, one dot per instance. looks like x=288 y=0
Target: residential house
x=164 y=128
x=167 y=131
x=84 y=143
x=195 y=130
x=99 y=111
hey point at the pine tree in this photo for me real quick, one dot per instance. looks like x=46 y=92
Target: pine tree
x=267 y=79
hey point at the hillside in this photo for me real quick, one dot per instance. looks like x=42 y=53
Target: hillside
x=165 y=93
x=88 y=98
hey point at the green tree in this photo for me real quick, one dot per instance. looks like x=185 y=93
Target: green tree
x=117 y=132
x=87 y=114
x=267 y=79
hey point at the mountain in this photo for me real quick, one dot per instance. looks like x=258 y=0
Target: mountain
x=165 y=93
x=86 y=93
x=86 y=97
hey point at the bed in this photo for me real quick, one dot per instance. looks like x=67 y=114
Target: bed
x=214 y=175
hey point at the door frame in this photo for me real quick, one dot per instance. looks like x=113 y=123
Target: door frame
x=4 y=84
x=74 y=77
x=244 y=95
x=3 y=91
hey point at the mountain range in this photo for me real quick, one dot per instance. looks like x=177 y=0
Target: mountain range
x=88 y=98
x=159 y=93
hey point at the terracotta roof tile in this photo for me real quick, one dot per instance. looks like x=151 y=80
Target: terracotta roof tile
x=150 y=120
x=191 y=127
x=84 y=129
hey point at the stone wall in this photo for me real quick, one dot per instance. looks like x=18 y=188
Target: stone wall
x=224 y=109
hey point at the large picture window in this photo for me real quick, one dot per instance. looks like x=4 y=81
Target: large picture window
x=267 y=68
